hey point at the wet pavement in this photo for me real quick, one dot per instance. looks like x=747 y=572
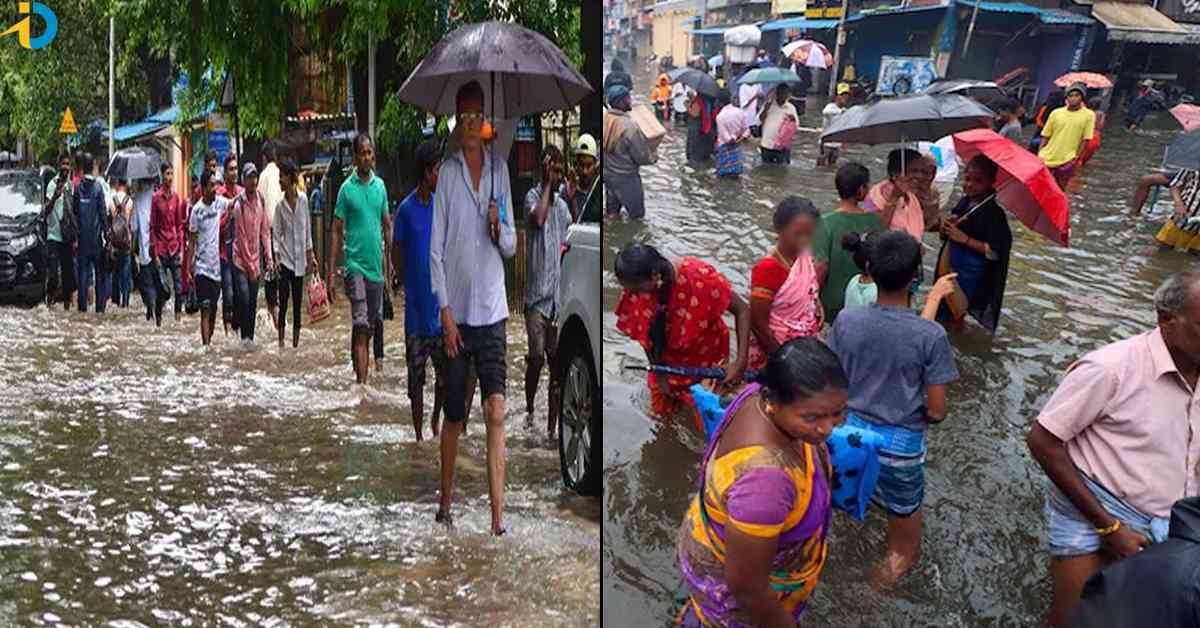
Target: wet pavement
x=146 y=480
x=984 y=562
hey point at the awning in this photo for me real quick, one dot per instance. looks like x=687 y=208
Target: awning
x=885 y=11
x=1045 y=16
x=135 y=130
x=1138 y=23
x=711 y=30
x=798 y=23
x=1059 y=16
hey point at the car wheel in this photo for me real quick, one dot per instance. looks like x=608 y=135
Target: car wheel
x=902 y=86
x=579 y=423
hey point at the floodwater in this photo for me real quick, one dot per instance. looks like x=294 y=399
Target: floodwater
x=984 y=562
x=146 y=480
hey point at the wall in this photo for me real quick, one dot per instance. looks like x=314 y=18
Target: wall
x=670 y=36
x=906 y=34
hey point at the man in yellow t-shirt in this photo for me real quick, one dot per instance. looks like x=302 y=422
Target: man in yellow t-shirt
x=1067 y=131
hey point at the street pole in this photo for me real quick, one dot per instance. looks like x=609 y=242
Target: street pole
x=837 y=51
x=112 y=106
x=371 y=84
x=970 y=30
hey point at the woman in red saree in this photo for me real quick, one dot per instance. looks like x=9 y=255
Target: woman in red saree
x=784 y=293
x=674 y=310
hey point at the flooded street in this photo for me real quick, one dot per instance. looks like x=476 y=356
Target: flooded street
x=984 y=560
x=146 y=480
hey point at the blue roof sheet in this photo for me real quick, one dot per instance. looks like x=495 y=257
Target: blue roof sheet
x=135 y=130
x=884 y=11
x=1046 y=16
x=1059 y=16
x=799 y=23
x=711 y=30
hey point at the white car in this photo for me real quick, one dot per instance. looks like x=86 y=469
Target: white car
x=575 y=361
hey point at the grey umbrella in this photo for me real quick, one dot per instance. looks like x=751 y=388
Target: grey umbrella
x=908 y=119
x=521 y=72
x=1184 y=152
x=702 y=82
x=986 y=92
x=137 y=162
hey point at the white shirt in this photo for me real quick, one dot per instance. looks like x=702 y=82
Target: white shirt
x=205 y=222
x=750 y=97
x=292 y=234
x=946 y=158
x=679 y=97
x=776 y=114
x=141 y=221
x=831 y=111
x=268 y=184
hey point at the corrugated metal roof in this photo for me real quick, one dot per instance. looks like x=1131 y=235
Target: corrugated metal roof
x=799 y=23
x=1060 y=16
x=884 y=11
x=1139 y=23
x=711 y=30
x=135 y=130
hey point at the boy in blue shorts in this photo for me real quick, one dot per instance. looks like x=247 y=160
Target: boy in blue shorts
x=898 y=365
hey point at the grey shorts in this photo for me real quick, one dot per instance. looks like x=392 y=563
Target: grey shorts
x=418 y=351
x=366 y=302
x=543 y=335
x=484 y=349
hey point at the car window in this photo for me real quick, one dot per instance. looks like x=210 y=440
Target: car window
x=20 y=194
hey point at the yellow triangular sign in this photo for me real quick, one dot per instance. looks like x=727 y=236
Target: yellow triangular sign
x=68 y=124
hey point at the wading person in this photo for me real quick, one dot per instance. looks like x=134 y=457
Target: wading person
x=143 y=254
x=547 y=218
x=835 y=265
x=204 y=225
x=251 y=248
x=120 y=240
x=626 y=151
x=731 y=130
x=583 y=192
x=841 y=102
x=895 y=199
x=1116 y=441
x=779 y=120
x=230 y=191
x=168 y=233
x=292 y=239
x=1067 y=132
x=785 y=298
x=210 y=165
x=60 y=265
x=91 y=214
x=674 y=310
x=898 y=365
x=470 y=238
x=422 y=324
x=701 y=131
x=1182 y=229
x=1010 y=111
x=269 y=183
x=362 y=228
x=977 y=246
x=754 y=541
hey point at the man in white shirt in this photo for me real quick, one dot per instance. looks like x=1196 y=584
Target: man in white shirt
x=773 y=117
x=272 y=191
x=841 y=102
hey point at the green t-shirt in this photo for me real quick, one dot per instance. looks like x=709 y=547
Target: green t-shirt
x=361 y=207
x=827 y=247
x=858 y=293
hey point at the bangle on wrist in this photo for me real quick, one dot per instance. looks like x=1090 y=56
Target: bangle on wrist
x=1110 y=529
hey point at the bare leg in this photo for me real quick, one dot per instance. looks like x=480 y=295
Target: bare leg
x=417 y=402
x=361 y=353
x=449 y=451
x=438 y=398
x=1068 y=575
x=494 y=411
x=1143 y=191
x=903 y=549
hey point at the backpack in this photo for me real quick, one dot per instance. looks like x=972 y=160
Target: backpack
x=68 y=226
x=120 y=236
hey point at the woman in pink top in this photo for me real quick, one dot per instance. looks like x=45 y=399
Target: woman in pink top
x=251 y=247
x=893 y=199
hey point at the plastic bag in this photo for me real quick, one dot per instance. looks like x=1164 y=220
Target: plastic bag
x=745 y=35
x=318 y=300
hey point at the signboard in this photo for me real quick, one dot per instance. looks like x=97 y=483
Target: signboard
x=68 y=123
x=781 y=7
x=904 y=75
x=218 y=142
x=833 y=10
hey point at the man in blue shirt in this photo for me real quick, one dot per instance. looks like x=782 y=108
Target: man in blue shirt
x=91 y=214
x=422 y=324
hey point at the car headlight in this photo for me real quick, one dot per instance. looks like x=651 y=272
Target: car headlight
x=23 y=243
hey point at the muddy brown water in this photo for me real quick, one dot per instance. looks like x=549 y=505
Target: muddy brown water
x=146 y=480
x=984 y=561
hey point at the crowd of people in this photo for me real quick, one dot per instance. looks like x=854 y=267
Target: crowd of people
x=445 y=242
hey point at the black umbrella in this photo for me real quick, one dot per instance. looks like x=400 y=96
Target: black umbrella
x=985 y=92
x=702 y=82
x=908 y=119
x=1184 y=152
x=137 y=162
x=521 y=72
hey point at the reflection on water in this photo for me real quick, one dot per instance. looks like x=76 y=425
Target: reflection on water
x=146 y=480
x=984 y=561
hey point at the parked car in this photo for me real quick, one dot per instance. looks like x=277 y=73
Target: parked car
x=575 y=363
x=22 y=240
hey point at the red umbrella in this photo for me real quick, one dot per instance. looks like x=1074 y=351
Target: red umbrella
x=1090 y=79
x=1024 y=186
x=1188 y=116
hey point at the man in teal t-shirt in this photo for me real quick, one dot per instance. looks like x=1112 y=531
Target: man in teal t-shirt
x=362 y=223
